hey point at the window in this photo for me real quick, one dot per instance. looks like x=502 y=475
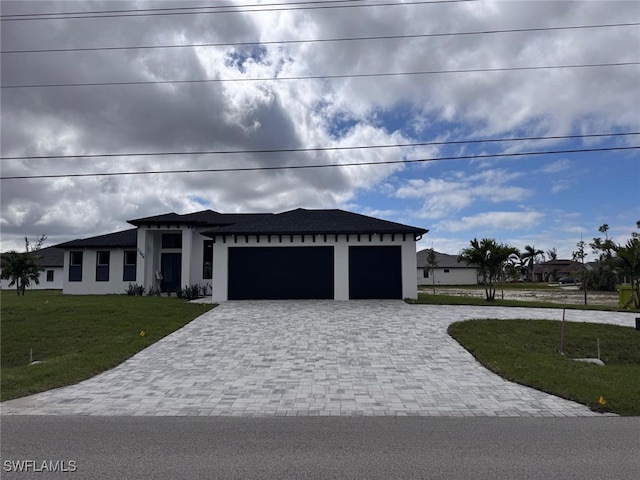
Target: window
x=129 y=268
x=171 y=240
x=49 y=275
x=75 y=266
x=425 y=273
x=446 y=270
x=102 y=266
x=207 y=259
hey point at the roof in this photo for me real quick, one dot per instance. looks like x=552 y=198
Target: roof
x=48 y=256
x=443 y=260
x=558 y=264
x=125 y=238
x=203 y=218
x=303 y=221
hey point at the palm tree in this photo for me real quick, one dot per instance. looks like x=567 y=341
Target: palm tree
x=628 y=261
x=529 y=258
x=488 y=256
x=21 y=268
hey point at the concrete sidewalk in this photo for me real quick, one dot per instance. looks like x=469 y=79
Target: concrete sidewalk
x=282 y=358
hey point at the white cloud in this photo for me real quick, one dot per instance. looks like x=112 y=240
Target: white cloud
x=557 y=166
x=247 y=115
x=485 y=223
x=443 y=197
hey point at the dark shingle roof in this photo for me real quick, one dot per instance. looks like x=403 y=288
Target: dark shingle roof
x=302 y=221
x=444 y=260
x=48 y=256
x=125 y=238
x=202 y=218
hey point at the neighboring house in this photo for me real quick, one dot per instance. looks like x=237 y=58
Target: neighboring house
x=449 y=271
x=554 y=270
x=51 y=260
x=298 y=254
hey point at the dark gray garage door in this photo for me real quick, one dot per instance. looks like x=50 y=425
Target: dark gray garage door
x=278 y=273
x=375 y=272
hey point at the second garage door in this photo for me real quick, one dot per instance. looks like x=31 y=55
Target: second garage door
x=375 y=272
x=279 y=273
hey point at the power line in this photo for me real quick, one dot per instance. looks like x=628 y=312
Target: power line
x=321 y=40
x=321 y=77
x=170 y=9
x=323 y=149
x=326 y=165
x=219 y=9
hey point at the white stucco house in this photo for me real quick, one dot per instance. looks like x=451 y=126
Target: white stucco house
x=449 y=270
x=297 y=254
x=51 y=260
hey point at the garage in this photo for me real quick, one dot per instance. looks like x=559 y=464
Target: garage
x=375 y=272
x=280 y=273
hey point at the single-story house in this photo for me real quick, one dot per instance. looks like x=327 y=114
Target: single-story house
x=51 y=260
x=298 y=254
x=449 y=271
x=554 y=270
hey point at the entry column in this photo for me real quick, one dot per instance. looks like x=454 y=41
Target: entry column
x=341 y=271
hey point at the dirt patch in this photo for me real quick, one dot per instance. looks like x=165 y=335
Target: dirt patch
x=567 y=295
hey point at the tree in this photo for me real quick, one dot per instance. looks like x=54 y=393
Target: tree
x=529 y=258
x=579 y=256
x=628 y=262
x=488 y=256
x=432 y=263
x=552 y=253
x=603 y=276
x=21 y=268
x=513 y=267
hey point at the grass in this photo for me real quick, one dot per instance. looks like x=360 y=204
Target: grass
x=77 y=337
x=526 y=352
x=430 y=299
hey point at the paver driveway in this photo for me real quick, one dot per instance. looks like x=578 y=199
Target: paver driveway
x=313 y=358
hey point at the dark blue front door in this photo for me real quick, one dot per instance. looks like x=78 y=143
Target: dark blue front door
x=171 y=269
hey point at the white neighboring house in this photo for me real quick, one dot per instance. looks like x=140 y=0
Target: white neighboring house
x=298 y=254
x=449 y=271
x=51 y=259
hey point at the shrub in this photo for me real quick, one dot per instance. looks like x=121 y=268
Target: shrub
x=135 y=289
x=189 y=292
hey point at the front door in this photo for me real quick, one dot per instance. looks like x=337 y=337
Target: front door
x=171 y=270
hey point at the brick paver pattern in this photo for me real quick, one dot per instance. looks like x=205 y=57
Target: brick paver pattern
x=292 y=358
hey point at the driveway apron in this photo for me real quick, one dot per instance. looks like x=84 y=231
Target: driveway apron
x=283 y=358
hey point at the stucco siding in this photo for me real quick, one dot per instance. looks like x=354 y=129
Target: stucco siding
x=56 y=284
x=341 y=258
x=89 y=285
x=449 y=276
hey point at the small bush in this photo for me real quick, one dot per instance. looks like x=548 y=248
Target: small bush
x=189 y=292
x=154 y=292
x=135 y=289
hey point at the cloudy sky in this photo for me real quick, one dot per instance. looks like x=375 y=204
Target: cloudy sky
x=299 y=86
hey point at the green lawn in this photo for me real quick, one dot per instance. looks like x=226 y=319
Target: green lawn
x=77 y=337
x=526 y=352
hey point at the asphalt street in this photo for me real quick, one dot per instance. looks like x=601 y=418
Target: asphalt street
x=320 y=448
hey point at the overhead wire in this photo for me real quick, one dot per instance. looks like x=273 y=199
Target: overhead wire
x=324 y=149
x=334 y=4
x=233 y=9
x=321 y=77
x=319 y=165
x=322 y=40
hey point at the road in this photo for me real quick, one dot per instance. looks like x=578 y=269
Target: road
x=321 y=447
